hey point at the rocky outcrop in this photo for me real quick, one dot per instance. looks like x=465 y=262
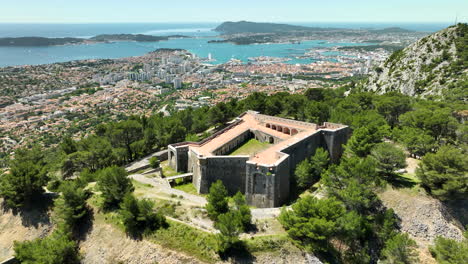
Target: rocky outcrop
x=428 y=67
x=423 y=217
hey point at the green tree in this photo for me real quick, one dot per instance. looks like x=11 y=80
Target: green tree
x=449 y=251
x=312 y=222
x=445 y=173
x=400 y=249
x=362 y=141
x=217 y=200
x=303 y=173
x=25 y=181
x=389 y=158
x=57 y=248
x=114 y=185
x=392 y=105
x=229 y=227
x=68 y=145
x=353 y=182
x=438 y=122
x=70 y=207
x=139 y=217
x=242 y=209
x=415 y=140
x=309 y=170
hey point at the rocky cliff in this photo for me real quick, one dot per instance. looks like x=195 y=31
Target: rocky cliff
x=434 y=65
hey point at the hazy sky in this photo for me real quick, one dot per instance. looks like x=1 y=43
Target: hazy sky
x=88 y=11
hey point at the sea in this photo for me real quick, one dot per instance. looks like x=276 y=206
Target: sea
x=201 y=33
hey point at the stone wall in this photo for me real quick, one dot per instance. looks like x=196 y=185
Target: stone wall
x=335 y=140
x=231 y=170
x=178 y=158
x=270 y=186
x=260 y=182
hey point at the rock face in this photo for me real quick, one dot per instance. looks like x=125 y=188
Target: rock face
x=423 y=217
x=428 y=67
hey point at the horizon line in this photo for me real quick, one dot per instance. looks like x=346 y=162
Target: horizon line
x=201 y=22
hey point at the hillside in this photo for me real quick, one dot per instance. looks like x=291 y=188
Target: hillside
x=253 y=27
x=430 y=66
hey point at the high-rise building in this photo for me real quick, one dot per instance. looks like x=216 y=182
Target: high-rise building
x=177 y=83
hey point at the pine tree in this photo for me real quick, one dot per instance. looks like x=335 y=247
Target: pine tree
x=217 y=200
x=70 y=207
x=445 y=173
x=114 y=185
x=243 y=210
x=26 y=179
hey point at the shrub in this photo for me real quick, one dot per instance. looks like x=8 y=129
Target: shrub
x=400 y=249
x=139 y=217
x=448 y=251
x=154 y=162
x=56 y=248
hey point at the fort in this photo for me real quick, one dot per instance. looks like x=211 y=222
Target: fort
x=264 y=174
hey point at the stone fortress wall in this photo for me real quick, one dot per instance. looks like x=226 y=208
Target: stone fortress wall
x=265 y=185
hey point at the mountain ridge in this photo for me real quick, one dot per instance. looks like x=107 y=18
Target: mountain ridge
x=434 y=65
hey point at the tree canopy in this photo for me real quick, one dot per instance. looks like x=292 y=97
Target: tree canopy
x=26 y=179
x=445 y=173
x=114 y=185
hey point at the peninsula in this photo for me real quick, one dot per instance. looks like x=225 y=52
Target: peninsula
x=245 y=33
x=42 y=41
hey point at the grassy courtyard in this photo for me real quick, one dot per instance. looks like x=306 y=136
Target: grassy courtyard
x=250 y=147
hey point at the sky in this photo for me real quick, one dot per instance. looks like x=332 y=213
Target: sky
x=113 y=11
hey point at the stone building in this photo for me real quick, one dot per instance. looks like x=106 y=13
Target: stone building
x=264 y=177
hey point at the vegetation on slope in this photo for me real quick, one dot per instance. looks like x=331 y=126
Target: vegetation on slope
x=435 y=65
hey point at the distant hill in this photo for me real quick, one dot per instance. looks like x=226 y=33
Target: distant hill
x=253 y=27
x=38 y=41
x=434 y=65
x=392 y=30
x=41 y=41
x=131 y=37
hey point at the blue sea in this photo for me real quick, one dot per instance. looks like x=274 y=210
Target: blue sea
x=201 y=33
